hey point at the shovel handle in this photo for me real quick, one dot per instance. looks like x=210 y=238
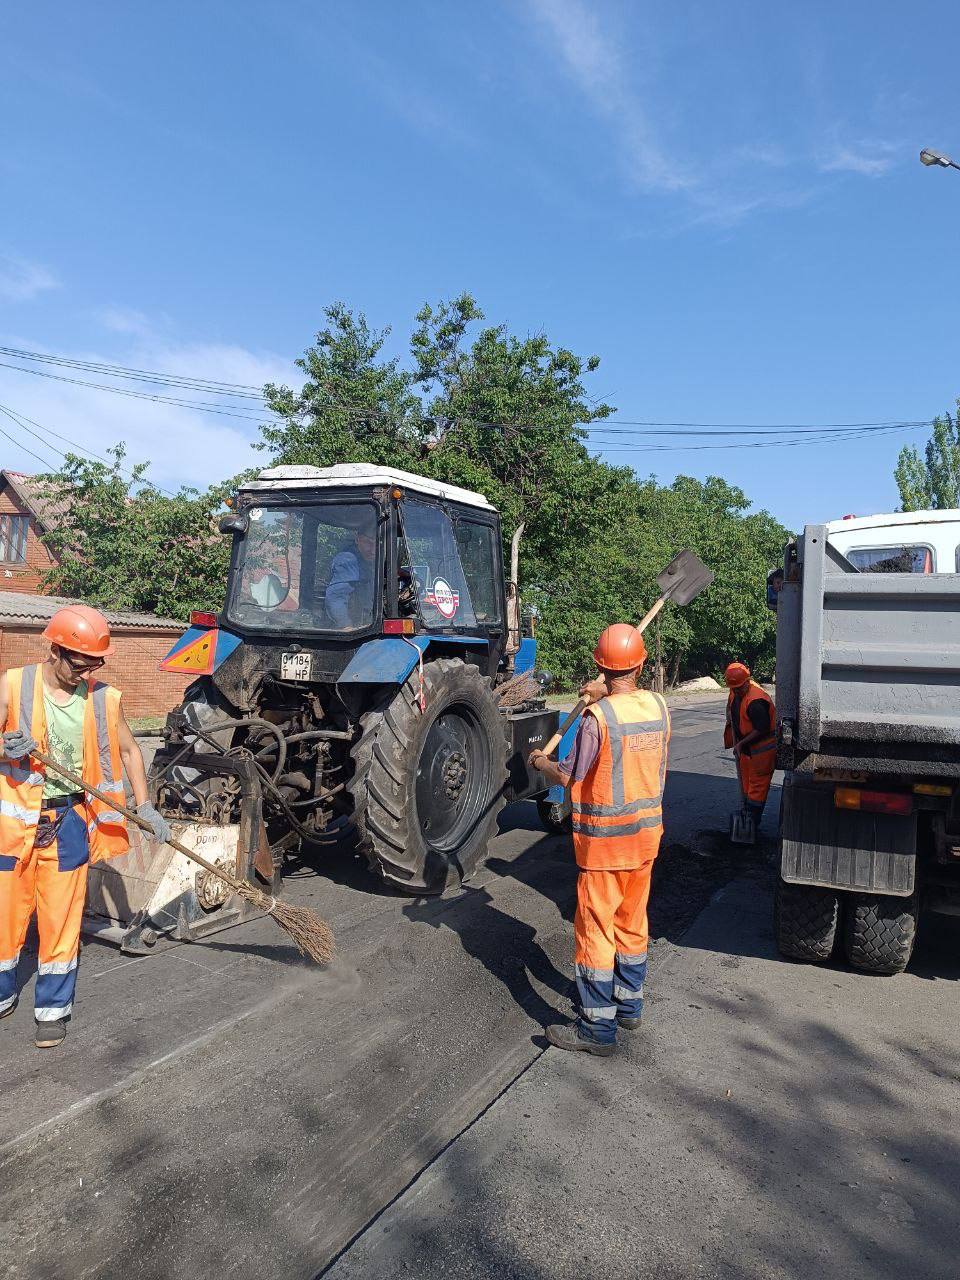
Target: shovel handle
x=130 y=816
x=651 y=613
x=568 y=720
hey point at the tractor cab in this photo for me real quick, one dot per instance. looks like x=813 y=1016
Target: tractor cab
x=337 y=554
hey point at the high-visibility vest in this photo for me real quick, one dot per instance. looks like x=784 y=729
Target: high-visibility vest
x=618 y=806
x=763 y=746
x=21 y=781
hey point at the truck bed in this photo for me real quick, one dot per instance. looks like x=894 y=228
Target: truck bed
x=868 y=664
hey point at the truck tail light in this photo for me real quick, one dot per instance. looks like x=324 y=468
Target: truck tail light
x=200 y=619
x=398 y=626
x=931 y=789
x=873 y=801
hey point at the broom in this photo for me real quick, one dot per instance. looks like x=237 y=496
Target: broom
x=517 y=690
x=311 y=935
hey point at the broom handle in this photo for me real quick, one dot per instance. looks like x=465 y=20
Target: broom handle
x=135 y=818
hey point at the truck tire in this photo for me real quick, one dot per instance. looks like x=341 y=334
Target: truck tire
x=805 y=920
x=427 y=787
x=554 y=818
x=879 y=932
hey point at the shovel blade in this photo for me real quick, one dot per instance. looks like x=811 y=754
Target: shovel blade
x=684 y=578
x=742 y=828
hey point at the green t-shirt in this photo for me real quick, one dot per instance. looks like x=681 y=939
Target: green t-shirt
x=64 y=738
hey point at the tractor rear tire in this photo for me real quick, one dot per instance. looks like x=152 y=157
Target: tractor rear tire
x=805 y=920
x=427 y=786
x=879 y=932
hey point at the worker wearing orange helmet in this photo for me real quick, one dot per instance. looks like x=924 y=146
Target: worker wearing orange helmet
x=615 y=772
x=751 y=730
x=50 y=831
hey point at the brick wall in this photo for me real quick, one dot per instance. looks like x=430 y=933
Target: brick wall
x=132 y=668
x=23 y=577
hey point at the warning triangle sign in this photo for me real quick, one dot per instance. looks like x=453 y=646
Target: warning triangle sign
x=195 y=658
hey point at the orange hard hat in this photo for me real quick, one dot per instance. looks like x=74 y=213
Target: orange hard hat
x=736 y=674
x=81 y=629
x=620 y=648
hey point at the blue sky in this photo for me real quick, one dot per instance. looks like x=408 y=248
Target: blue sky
x=722 y=201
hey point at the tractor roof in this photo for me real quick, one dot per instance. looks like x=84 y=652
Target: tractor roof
x=360 y=475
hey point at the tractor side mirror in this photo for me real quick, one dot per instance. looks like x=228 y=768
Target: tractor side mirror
x=233 y=522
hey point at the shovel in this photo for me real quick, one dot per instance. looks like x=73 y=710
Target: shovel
x=743 y=826
x=680 y=582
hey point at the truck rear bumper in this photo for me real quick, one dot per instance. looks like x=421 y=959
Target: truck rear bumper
x=842 y=848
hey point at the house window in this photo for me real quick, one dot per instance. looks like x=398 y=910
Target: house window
x=13 y=538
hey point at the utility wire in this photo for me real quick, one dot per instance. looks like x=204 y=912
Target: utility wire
x=247 y=391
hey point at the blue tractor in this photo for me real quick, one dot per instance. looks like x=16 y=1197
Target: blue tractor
x=366 y=683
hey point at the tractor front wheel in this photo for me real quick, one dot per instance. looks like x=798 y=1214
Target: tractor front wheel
x=428 y=785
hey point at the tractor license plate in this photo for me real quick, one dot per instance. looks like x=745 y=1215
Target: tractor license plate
x=296 y=666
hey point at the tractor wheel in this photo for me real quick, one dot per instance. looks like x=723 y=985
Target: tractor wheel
x=805 y=920
x=879 y=931
x=427 y=786
x=555 y=818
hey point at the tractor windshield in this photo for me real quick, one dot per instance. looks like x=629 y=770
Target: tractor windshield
x=430 y=551
x=307 y=568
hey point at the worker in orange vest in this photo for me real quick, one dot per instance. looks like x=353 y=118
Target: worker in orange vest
x=751 y=731
x=615 y=772
x=50 y=831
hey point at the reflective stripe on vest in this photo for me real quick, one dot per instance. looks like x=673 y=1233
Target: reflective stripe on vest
x=21 y=787
x=617 y=809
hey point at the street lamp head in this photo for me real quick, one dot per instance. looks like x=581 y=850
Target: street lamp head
x=935 y=158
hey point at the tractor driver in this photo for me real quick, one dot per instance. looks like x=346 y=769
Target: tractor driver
x=349 y=593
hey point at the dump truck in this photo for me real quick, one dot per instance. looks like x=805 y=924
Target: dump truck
x=868 y=712
x=351 y=693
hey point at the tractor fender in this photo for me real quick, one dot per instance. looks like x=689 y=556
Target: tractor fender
x=390 y=659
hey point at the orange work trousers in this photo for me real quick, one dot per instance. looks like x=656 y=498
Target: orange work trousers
x=756 y=774
x=51 y=881
x=611 y=936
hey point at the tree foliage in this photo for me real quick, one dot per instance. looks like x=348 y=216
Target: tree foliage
x=121 y=543
x=478 y=406
x=932 y=481
x=508 y=416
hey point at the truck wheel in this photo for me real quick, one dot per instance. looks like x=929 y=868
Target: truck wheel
x=427 y=787
x=555 y=818
x=805 y=920
x=879 y=932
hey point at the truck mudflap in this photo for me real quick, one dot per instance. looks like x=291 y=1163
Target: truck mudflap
x=844 y=848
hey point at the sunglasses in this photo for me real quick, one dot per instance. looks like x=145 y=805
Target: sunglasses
x=81 y=661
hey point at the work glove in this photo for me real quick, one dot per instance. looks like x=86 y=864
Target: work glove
x=17 y=744
x=159 y=826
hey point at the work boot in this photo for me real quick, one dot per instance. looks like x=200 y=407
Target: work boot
x=50 y=1034
x=7 y=1012
x=567 y=1036
x=629 y=1024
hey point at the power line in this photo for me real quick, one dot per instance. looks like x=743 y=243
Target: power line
x=20 y=419
x=241 y=389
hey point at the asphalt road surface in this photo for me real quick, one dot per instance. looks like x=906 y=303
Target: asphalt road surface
x=225 y=1109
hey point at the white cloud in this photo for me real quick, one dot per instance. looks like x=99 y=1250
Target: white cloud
x=125 y=320
x=869 y=159
x=184 y=445
x=21 y=280
x=594 y=62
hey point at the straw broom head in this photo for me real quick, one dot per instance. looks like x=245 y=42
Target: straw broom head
x=311 y=935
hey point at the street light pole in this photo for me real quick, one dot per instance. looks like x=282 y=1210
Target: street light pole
x=928 y=157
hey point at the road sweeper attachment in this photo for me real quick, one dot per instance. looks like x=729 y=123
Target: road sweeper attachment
x=153 y=891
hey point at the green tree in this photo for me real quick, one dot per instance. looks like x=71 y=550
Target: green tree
x=932 y=481
x=123 y=544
